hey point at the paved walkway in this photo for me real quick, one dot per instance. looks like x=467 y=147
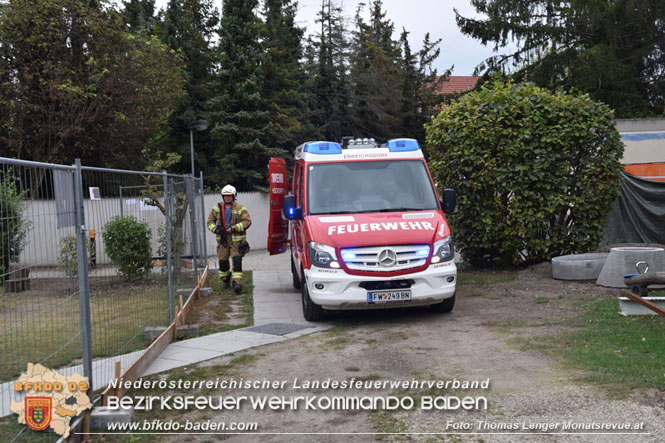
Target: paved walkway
x=277 y=317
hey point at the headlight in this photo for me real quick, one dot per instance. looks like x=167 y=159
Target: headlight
x=443 y=250
x=322 y=256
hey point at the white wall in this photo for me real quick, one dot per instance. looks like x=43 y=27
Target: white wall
x=648 y=140
x=43 y=245
x=258 y=205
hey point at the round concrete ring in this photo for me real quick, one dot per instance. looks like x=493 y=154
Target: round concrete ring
x=578 y=266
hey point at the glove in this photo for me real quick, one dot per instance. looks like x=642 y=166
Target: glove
x=218 y=230
x=243 y=248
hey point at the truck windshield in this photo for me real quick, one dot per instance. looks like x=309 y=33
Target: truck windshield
x=369 y=186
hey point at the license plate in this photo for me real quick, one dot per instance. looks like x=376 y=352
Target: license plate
x=389 y=296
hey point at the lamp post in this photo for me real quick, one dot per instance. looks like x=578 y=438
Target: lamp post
x=199 y=125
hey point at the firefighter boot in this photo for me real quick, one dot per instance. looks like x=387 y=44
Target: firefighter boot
x=224 y=273
x=236 y=286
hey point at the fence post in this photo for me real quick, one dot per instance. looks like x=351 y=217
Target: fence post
x=190 y=193
x=203 y=221
x=121 y=208
x=169 y=259
x=84 y=284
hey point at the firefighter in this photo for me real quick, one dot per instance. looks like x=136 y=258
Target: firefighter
x=229 y=221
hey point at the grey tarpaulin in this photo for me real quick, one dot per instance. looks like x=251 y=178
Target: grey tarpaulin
x=638 y=215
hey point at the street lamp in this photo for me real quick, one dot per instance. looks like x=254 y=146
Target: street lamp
x=199 y=125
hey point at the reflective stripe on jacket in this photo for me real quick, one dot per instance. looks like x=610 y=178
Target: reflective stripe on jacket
x=240 y=220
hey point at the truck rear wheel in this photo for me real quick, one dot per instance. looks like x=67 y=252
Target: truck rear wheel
x=445 y=306
x=296 y=280
x=310 y=310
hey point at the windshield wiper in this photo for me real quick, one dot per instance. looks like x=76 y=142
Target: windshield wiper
x=400 y=209
x=335 y=213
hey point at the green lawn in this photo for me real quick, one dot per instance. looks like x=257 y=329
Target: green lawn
x=38 y=326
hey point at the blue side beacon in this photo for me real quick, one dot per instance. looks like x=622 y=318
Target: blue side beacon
x=402 y=145
x=325 y=148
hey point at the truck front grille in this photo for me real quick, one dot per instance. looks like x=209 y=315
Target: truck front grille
x=385 y=258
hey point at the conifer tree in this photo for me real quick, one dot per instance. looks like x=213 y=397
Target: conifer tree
x=375 y=76
x=419 y=79
x=327 y=67
x=189 y=26
x=139 y=16
x=283 y=87
x=612 y=50
x=241 y=124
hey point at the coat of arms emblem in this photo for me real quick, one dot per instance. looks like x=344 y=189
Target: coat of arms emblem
x=38 y=412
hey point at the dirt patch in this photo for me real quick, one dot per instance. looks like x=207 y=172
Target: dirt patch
x=528 y=392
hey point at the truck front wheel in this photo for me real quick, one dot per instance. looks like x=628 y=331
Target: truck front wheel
x=310 y=310
x=445 y=306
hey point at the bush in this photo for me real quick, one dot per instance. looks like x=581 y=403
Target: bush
x=69 y=255
x=535 y=171
x=127 y=243
x=14 y=227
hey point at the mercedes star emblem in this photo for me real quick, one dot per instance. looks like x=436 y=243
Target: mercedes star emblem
x=387 y=257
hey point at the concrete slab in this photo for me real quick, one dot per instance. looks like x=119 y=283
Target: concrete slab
x=629 y=307
x=276 y=328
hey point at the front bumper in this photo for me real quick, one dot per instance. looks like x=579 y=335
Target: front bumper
x=342 y=291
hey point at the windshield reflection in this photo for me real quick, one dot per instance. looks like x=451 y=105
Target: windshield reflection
x=371 y=186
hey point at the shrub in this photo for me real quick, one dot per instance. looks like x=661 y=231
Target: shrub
x=127 y=243
x=14 y=227
x=535 y=171
x=68 y=255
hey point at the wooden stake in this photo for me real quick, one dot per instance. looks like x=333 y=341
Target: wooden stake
x=86 y=426
x=117 y=377
x=181 y=311
x=175 y=324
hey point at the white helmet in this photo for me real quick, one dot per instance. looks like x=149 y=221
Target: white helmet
x=229 y=190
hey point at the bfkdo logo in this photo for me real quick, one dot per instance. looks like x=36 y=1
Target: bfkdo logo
x=47 y=399
x=38 y=412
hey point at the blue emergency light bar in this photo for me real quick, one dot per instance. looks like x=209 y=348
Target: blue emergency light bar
x=323 y=148
x=402 y=145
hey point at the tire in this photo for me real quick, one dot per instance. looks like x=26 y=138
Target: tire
x=445 y=306
x=296 y=280
x=310 y=310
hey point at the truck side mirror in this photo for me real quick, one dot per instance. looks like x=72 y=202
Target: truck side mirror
x=449 y=201
x=289 y=209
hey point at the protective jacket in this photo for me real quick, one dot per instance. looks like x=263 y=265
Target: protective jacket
x=240 y=221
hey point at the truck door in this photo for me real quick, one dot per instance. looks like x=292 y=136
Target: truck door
x=297 y=239
x=277 y=225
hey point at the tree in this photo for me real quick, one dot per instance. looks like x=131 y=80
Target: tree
x=241 y=123
x=419 y=80
x=75 y=85
x=14 y=225
x=188 y=27
x=326 y=65
x=375 y=76
x=283 y=77
x=536 y=172
x=139 y=16
x=610 y=49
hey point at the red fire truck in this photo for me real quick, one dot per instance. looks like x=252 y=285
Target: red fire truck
x=367 y=229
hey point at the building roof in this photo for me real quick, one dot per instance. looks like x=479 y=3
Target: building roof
x=456 y=84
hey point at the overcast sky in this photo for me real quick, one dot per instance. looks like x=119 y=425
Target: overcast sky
x=418 y=17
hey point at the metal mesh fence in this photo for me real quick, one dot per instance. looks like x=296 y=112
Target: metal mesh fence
x=84 y=273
